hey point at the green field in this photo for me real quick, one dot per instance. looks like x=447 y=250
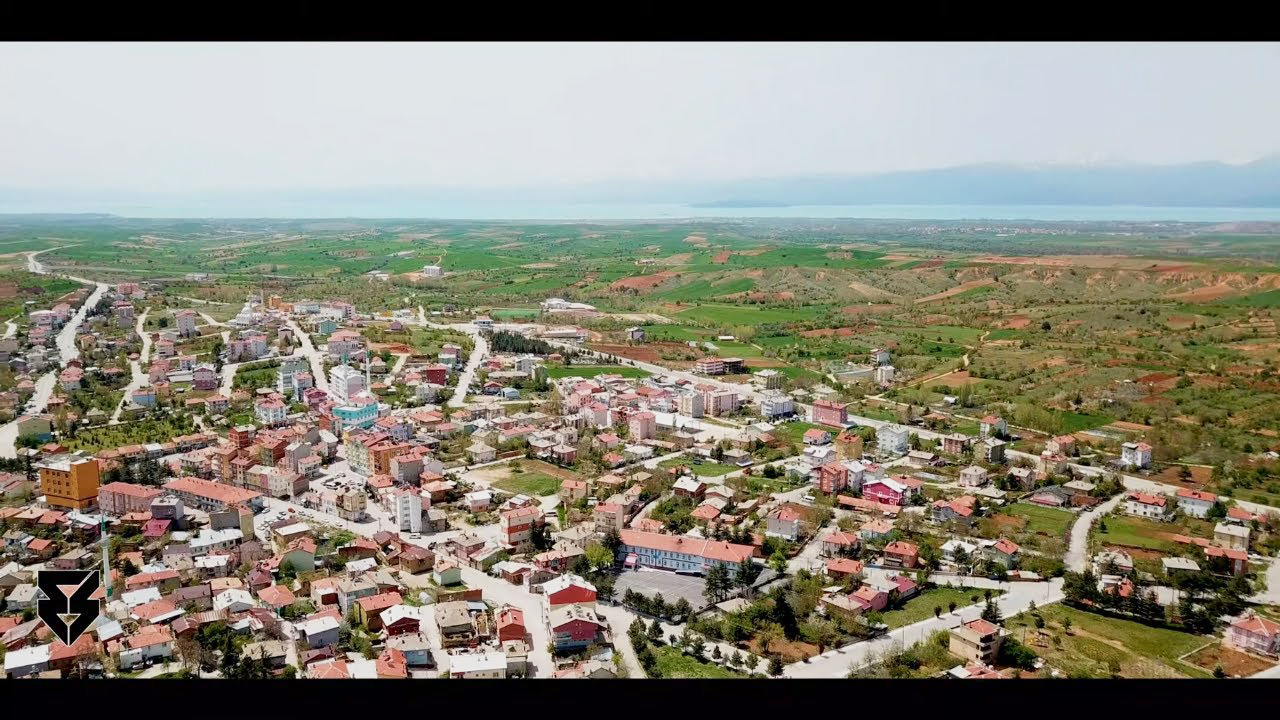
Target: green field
x=509 y=313
x=1134 y=532
x=730 y=315
x=678 y=333
x=1097 y=645
x=1050 y=521
x=794 y=431
x=530 y=483
x=921 y=606
x=589 y=371
x=673 y=663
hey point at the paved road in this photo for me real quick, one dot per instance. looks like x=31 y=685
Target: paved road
x=837 y=663
x=1077 y=558
x=314 y=356
x=66 y=342
x=139 y=378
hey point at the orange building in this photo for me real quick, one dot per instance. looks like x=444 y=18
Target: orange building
x=69 y=481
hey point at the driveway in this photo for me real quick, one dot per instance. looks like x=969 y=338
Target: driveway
x=1077 y=557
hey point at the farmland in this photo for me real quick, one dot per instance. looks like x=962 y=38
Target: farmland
x=1058 y=327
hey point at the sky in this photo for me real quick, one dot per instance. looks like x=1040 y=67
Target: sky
x=279 y=116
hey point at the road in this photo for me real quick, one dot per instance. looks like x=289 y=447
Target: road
x=10 y=327
x=837 y=663
x=478 y=354
x=67 y=351
x=314 y=356
x=139 y=378
x=1077 y=558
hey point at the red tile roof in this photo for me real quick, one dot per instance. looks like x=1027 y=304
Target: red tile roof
x=982 y=627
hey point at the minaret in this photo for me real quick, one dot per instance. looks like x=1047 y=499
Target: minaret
x=368 y=385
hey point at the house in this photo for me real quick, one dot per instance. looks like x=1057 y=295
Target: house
x=481 y=453
x=901 y=553
x=568 y=589
x=1236 y=562
x=446 y=573
x=575 y=626
x=993 y=426
x=975 y=671
x=453 y=619
x=320 y=631
x=689 y=487
x=478 y=665
x=838 y=543
x=1145 y=505
x=1113 y=563
x=401 y=619
x=945 y=511
x=956 y=550
x=1135 y=455
x=870 y=599
x=816 y=436
x=1002 y=552
x=572 y=490
x=1061 y=445
x=875 y=530
x=889 y=491
x=518 y=525
x=993 y=449
x=1254 y=633
x=510 y=623
x=839 y=568
x=833 y=477
x=1231 y=536
x=1195 y=502
x=369 y=609
x=415 y=647
x=826 y=412
x=976 y=641
x=892 y=440
x=973 y=476
x=784 y=522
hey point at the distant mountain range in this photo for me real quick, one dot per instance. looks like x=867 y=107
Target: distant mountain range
x=1206 y=184
x=1209 y=184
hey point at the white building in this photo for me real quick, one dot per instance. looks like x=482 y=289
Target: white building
x=432 y=271
x=884 y=374
x=186 y=321
x=1154 y=506
x=776 y=403
x=554 y=304
x=478 y=665
x=892 y=439
x=973 y=476
x=1135 y=455
x=409 y=510
x=345 y=382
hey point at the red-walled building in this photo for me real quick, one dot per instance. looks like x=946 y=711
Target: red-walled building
x=830 y=413
x=568 y=590
x=510 y=622
x=436 y=374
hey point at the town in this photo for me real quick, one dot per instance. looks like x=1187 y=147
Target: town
x=295 y=488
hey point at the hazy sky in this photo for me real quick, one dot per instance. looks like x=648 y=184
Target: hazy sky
x=268 y=116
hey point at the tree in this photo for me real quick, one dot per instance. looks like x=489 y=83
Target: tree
x=613 y=540
x=991 y=613
x=540 y=537
x=683 y=609
x=717 y=583
x=775 y=666
x=937 y=611
x=1218 y=672
x=951 y=606
x=654 y=632
x=778 y=562
x=599 y=557
x=767 y=635
x=1045 y=326
x=1066 y=625
x=1217 y=511
x=697 y=647
x=715 y=652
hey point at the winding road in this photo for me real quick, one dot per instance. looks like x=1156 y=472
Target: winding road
x=139 y=378
x=67 y=351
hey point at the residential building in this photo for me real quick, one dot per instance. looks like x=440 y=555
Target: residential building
x=1195 y=502
x=1146 y=505
x=1256 y=634
x=1135 y=455
x=69 y=482
x=977 y=641
x=892 y=440
x=1231 y=536
x=833 y=414
x=575 y=626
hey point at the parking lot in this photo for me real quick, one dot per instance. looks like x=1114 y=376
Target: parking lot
x=672 y=586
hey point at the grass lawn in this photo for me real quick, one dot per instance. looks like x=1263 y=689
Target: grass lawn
x=744 y=314
x=706 y=468
x=678 y=333
x=674 y=664
x=1042 y=519
x=530 y=483
x=794 y=431
x=1133 y=532
x=1075 y=422
x=921 y=606
x=508 y=313
x=1098 y=645
x=588 y=371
